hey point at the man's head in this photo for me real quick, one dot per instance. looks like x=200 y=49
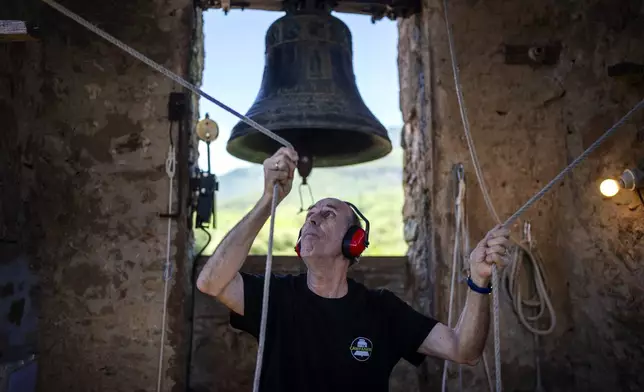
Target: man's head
x=326 y=224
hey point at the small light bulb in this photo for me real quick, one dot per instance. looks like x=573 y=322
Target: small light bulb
x=609 y=187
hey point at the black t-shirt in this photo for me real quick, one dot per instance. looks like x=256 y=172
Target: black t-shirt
x=317 y=344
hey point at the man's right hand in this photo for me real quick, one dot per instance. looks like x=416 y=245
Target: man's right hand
x=280 y=169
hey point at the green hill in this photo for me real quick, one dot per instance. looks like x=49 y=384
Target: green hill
x=374 y=187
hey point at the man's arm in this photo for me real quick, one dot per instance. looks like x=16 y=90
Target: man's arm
x=220 y=276
x=465 y=343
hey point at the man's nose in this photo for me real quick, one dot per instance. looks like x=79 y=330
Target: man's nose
x=315 y=220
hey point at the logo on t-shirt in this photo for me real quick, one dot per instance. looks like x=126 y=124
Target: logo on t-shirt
x=361 y=348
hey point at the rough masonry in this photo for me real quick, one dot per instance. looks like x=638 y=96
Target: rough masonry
x=529 y=122
x=83 y=183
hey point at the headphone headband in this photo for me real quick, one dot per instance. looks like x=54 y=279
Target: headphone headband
x=366 y=221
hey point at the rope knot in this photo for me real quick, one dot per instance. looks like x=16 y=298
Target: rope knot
x=170 y=163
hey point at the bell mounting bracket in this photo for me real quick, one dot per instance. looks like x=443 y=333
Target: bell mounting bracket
x=378 y=9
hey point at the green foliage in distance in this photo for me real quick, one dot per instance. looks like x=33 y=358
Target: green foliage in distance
x=374 y=187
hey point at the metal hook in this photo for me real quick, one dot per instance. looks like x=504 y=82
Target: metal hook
x=460 y=171
x=527 y=233
x=300 y=192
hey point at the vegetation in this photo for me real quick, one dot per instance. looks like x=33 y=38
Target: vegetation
x=374 y=187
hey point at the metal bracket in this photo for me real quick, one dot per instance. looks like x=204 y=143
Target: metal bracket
x=177 y=106
x=377 y=9
x=535 y=55
x=204 y=186
x=628 y=72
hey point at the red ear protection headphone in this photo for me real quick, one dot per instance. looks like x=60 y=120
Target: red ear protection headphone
x=354 y=242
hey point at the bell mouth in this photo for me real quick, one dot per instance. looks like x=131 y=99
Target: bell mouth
x=327 y=147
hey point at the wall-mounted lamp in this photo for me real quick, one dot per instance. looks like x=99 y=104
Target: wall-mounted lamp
x=631 y=179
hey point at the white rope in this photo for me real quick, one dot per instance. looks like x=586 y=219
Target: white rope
x=526 y=252
x=539 y=301
x=486 y=196
x=495 y=275
x=464 y=117
x=267 y=282
x=170 y=165
x=163 y=70
x=181 y=81
x=456 y=255
x=285 y=143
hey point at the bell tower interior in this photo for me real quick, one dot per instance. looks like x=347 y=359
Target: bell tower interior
x=103 y=191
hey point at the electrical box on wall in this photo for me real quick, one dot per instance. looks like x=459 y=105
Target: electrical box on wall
x=205 y=186
x=19 y=20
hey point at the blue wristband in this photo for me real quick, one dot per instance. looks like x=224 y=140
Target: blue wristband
x=478 y=289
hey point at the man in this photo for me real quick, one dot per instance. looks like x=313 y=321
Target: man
x=326 y=332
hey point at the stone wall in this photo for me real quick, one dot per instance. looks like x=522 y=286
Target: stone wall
x=528 y=122
x=18 y=317
x=83 y=183
x=224 y=358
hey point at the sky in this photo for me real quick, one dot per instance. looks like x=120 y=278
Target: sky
x=234 y=64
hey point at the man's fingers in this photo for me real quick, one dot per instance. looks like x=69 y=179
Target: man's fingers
x=291 y=154
x=285 y=152
x=494 y=258
x=496 y=249
x=499 y=232
x=281 y=175
x=498 y=241
x=282 y=163
x=290 y=165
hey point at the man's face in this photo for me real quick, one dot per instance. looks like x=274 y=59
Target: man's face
x=326 y=223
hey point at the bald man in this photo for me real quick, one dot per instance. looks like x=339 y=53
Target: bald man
x=326 y=332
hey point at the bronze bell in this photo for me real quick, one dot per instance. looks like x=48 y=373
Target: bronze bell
x=309 y=97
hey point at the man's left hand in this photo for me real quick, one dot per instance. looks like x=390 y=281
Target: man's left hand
x=491 y=250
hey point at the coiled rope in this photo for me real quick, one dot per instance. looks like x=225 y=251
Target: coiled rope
x=520 y=211
x=526 y=252
x=285 y=143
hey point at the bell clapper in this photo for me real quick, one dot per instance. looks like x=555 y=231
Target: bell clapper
x=304 y=167
x=304 y=183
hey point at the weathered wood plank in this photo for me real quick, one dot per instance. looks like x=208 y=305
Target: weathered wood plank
x=14 y=30
x=9 y=27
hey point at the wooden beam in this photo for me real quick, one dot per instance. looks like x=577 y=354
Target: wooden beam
x=378 y=9
x=15 y=30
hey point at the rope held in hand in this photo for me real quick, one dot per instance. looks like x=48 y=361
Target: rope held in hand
x=191 y=87
x=529 y=203
x=285 y=143
x=171 y=75
x=267 y=281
